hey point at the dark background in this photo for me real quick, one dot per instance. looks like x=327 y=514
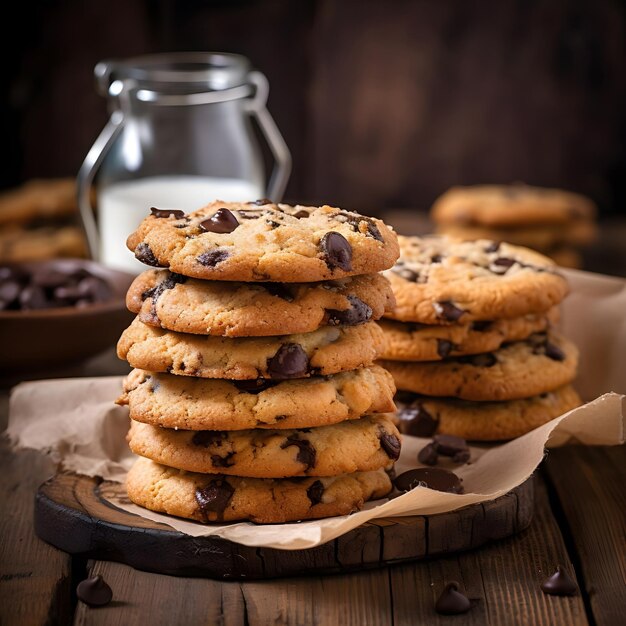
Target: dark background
x=383 y=104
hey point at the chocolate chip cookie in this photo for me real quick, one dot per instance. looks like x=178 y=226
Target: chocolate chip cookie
x=231 y=309
x=264 y=242
x=527 y=368
x=510 y=205
x=411 y=341
x=329 y=350
x=366 y=444
x=439 y=280
x=209 y=404
x=421 y=416
x=206 y=498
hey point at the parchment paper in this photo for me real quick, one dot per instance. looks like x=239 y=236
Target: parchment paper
x=76 y=422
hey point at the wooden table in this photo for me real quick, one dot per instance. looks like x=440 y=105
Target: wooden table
x=580 y=523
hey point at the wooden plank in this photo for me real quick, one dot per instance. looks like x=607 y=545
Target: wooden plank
x=141 y=598
x=35 y=578
x=589 y=483
x=501 y=579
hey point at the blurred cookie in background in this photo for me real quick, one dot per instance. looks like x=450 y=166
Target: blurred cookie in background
x=39 y=220
x=555 y=222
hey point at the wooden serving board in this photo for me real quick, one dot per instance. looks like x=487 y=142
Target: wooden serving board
x=72 y=514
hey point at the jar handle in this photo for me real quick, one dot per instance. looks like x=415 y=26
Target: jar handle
x=280 y=151
x=87 y=173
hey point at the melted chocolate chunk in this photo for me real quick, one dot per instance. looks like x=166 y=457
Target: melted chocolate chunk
x=250 y=215
x=290 y=361
x=560 y=584
x=433 y=478
x=94 y=591
x=452 y=601
x=501 y=265
x=428 y=455
x=306 y=451
x=144 y=254
x=171 y=280
x=261 y=202
x=222 y=222
x=444 y=347
x=481 y=326
x=164 y=213
x=487 y=359
x=222 y=461
x=301 y=215
x=315 y=492
x=355 y=220
x=494 y=246
x=214 y=498
x=447 y=311
x=407 y=274
x=254 y=386
x=212 y=258
x=208 y=438
x=449 y=445
x=337 y=251
x=280 y=290
x=554 y=352
x=436 y=258
x=417 y=421
x=358 y=313
x=390 y=444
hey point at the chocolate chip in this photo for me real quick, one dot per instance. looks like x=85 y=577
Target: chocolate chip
x=254 y=386
x=144 y=254
x=358 y=313
x=301 y=215
x=444 y=347
x=221 y=222
x=449 y=445
x=417 y=421
x=261 y=202
x=501 y=265
x=481 y=326
x=452 y=601
x=178 y=214
x=250 y=215
x=169 y=282
x=428 y=455
x=433 y=478
x=208 y=438
x=315 y=492
x=306 y=451
x=494 y=246
x=49 y=278
x=487 y=359
x=355 y=220
x=436 y=258
x=554 y=352
x=212 y=258
x=560 y=584
x=407 y=274
x=390 y=444
x=9 y=292
x=223 y=461
x=447 y=311
x=33 y=298
x=214 y=498
x=337 y=251
x=94 y=591
x=280 y=290
x=290 y=361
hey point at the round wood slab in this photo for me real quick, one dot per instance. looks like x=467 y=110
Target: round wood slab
x=72 y=514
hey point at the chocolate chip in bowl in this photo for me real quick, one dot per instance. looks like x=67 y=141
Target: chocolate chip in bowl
x=58 y=312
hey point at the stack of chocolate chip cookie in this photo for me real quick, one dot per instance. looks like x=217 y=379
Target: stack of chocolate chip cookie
x=471 y=344
x=554 y=222
x=255 y=394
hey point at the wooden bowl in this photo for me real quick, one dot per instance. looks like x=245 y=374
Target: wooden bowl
x=39 y=339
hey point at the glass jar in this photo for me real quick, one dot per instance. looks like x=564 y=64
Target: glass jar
x=180 y=135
